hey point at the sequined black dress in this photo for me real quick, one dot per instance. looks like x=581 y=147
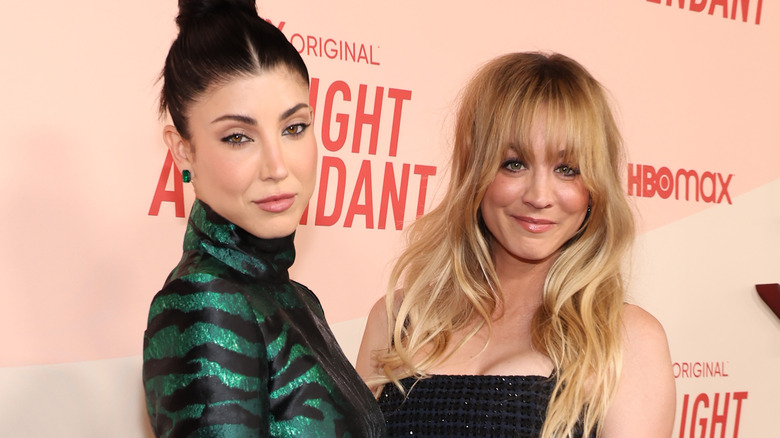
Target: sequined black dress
x=467 y=406
x=235 y=349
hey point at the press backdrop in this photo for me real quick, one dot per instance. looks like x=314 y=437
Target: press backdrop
x=92 y=220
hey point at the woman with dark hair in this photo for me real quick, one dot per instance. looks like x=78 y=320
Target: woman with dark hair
x=233 y=347
x=506 y=314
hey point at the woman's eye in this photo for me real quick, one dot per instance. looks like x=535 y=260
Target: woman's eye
x=236 y=139
x=567 y=170
x=513 y=165
x=295 y=129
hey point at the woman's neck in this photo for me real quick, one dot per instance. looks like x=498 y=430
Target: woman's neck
x=522 y=282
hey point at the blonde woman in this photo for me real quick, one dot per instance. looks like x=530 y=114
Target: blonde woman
x=506 y=314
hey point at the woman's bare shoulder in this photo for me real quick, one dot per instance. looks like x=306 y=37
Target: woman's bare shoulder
x=646 y=397
x=640 y=325
x=375 y=338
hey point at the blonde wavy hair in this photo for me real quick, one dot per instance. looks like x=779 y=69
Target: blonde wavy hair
x=447 y=274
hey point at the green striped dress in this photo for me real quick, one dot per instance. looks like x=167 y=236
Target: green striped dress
x=234 y=348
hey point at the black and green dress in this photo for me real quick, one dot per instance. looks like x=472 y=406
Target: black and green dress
x=234 y=348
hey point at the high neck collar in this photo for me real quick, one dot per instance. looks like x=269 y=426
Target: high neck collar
x=266 y=259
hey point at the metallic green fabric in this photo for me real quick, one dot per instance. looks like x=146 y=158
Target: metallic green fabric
x=234 y=348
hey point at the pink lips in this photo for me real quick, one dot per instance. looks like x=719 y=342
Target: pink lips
x=534 y=225
x=276 y=203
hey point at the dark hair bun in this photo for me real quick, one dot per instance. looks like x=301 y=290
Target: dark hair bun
x=219 y=40
x=193 y=11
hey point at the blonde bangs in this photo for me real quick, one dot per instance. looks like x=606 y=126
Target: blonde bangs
x=446 y=272
x=573 y=130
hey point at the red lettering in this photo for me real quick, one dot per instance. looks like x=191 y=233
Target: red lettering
x=330 y=163
x=336 y=125
x=331 y=53
x=648 y=177
x=363 y=185
x=341 y=119
x=161 y=195
x=723 y=3
x=699 y=369
x=701 y=5
x=738 y=397
x=311 y=45
x=687 y=174
x=396 y=196
x=364 y=118
x=399 y=96
x=724 y=188
x=745 y=4
x=297 y=36
x=684 y=416
x=710 y=420
x=707 y=176
x=701 y=399
x=635 y=179
x=363 y=55
x=664 y=182
x=698 y=6
x=393 y=194
x=424 y=172
x=719 y=418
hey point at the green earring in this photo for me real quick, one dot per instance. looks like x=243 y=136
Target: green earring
x=186 y=176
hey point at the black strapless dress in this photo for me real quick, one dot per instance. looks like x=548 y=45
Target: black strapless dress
x=467 y=406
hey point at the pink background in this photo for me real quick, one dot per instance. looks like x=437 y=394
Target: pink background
x=82 y=154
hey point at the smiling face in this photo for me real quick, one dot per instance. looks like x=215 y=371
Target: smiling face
x=535 y=203
x=251 y=153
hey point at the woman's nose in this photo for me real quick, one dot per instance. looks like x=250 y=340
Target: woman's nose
x=273 y=166
x=538 y=192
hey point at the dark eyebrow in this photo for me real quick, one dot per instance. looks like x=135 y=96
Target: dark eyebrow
x=292 y=111
x=253 y=122
x=237 y=118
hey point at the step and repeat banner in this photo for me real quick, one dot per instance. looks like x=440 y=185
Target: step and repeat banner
x=93 y=216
